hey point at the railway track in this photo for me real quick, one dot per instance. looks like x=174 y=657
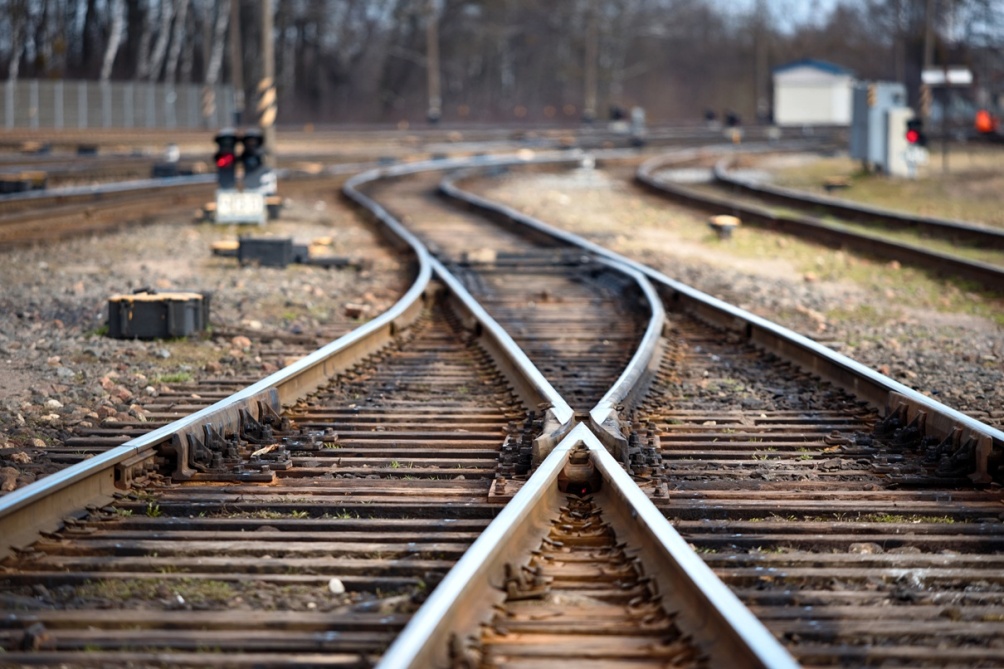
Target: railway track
x=371 y=432
x=858 y=520
x=704 y=415
x=960 y=232
x=573 y=317
x=989 y=275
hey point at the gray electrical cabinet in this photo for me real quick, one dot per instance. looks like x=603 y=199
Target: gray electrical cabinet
x=869 y=129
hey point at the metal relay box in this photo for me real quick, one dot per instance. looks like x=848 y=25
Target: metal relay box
x=151 y=315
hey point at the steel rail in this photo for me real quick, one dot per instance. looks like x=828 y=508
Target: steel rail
x=725 y=628
x=955 y=230
x=530 y=384
x=94 y=192
x=878 y=389
x=116 y=192
x=815 y=230
x=41 y=506
x=638 y=373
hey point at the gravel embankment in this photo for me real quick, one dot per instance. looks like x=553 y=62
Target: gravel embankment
x=926 y=335
x=59 y=371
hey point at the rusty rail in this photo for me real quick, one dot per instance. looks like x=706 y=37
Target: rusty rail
x=879 y=390
x=958 y=231
x=820 y=232
x=464 y=600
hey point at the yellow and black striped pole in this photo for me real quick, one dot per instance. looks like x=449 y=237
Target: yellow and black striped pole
x=208 y=105
x=925 y=101
x=267 y=107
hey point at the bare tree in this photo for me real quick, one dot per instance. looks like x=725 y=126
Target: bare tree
x=167 y=8
x=19 y=17
x=215 y=64
x=114 y=38
x=143 y=60
x=180 y=24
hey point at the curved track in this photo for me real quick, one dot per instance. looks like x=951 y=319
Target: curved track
x=403 y=419
x=820 y=491
x=827 y=496
x=574 y=317
x=990 y=276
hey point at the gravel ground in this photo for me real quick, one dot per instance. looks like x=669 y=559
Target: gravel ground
x=936 y=338
x=59 y=371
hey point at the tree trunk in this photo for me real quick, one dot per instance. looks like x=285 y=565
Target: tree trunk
x=114 y=38
x=143 y=61
x=19 y=30
x=163 y=37
x=188 y=54
x=219 y=32
x=180 y=24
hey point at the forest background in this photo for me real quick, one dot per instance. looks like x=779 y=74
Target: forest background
x=501 y=60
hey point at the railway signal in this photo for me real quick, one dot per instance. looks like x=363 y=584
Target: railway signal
x=915 y=133
x=258 y=176
x=232 y=205
x=252 y=157
x=226 y=159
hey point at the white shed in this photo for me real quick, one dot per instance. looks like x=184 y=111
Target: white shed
x=812 y=92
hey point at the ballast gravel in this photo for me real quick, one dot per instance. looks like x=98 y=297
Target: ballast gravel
x=59 y=370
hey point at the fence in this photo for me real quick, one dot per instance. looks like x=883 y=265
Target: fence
x=61 y=104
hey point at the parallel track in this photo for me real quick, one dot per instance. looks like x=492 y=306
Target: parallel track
x=990 y=276
x=960 y=232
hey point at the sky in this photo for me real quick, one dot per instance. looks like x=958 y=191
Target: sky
x=791 y=12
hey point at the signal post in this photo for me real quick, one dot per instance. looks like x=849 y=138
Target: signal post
x=244 y=201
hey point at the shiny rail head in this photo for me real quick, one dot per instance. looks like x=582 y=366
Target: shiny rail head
x=580 y=467
x=71 y=484
x=509 y=356
x=884 y=392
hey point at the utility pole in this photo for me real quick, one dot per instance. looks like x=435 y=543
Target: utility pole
x=435 y=110
x=925 y=93
x=592 y=54
x=236 y=60
x=760 y=78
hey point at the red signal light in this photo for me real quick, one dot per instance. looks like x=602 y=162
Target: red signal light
x=912 y=136
x=226 y=160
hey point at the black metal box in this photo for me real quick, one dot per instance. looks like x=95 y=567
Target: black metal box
x=148 y=315
x=265 y=251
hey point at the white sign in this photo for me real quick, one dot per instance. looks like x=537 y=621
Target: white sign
x=234 y=207
x=953 y=76
x=916 y=155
